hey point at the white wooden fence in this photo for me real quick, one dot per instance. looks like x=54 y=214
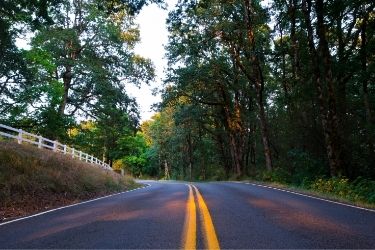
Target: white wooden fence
x=41 y=142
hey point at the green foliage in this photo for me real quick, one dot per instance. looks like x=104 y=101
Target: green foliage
x=364 y=189
x=17 y=18
x=134 y=150
x=277 y=175
x=339 y=186
x=135 y=164
x=40 y=59
x=218 y=175
x=304 y=168
x=152 y=166
x=360 y=190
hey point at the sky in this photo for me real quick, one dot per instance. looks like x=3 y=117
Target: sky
x=154 y=36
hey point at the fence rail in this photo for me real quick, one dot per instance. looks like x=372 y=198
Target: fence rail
x=41 y=142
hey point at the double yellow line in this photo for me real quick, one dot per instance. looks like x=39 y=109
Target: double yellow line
x=190 y=228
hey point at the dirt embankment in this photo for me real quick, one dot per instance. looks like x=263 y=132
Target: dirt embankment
x=33 y=180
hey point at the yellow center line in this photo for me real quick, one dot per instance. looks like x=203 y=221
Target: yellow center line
x=209 y=229
x=190 y=228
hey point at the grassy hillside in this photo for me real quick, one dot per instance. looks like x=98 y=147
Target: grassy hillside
x=33 y=180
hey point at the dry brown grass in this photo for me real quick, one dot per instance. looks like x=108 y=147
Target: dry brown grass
x=33 y=180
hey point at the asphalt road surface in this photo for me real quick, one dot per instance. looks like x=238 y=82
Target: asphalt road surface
x=211 y=215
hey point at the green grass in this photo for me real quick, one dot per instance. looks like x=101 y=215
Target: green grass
x=33 y=179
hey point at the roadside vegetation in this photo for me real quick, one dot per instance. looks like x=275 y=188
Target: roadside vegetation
x=360 y=192
x=33 y=180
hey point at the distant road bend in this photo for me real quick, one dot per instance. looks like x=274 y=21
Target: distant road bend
x=175 y=215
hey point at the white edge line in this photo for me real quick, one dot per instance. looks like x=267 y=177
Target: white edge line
x=72 y=205
x=309 y=196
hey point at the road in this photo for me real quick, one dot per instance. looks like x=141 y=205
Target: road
x=176 y=215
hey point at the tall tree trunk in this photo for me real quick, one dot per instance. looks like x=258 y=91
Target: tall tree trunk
x=166 y=170
x=67 y=79
x=160 y=166
x=190 y=155
x=233 y=125
x=265 y=135
x=341 y=91
x=258 y=82
x=293 y=38
x=67 y=76
x=337 y=164
x=203 y=159
x=233 y=145
x=224 y=153
x=259 y=86
x=250 y=153
x=283 y=66
x=363 y=54
x=327 y=105
x=369 y=118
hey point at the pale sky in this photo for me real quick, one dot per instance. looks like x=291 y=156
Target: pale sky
x=154 y=36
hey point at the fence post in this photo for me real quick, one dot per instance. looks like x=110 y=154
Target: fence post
x=73 y=152
x=92 y=159
x=19 y=139
x=64 y=149
x=40 y=141
x=87 y=157
x=55 y=146
x=80 y=155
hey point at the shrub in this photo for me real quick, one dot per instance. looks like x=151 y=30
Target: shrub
x=304 y=167
x=277 y=175
x=364 y=189
x=218 y=175
x=337 y=186
x=360 y=190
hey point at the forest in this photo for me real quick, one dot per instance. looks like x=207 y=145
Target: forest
x=278 y=90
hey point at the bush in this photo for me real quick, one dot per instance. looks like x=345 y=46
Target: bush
x=218 y=175
x=337 y=186
x=277 y=175
x=360 y=190
x=304 y=167
x=364 y=189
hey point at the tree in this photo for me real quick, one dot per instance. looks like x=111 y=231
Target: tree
x=91 y=50
x=299 y=97
x=16 y=17
x=219 y=71
x=79 y=65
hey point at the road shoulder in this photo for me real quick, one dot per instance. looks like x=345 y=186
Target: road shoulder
x=308 y=193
